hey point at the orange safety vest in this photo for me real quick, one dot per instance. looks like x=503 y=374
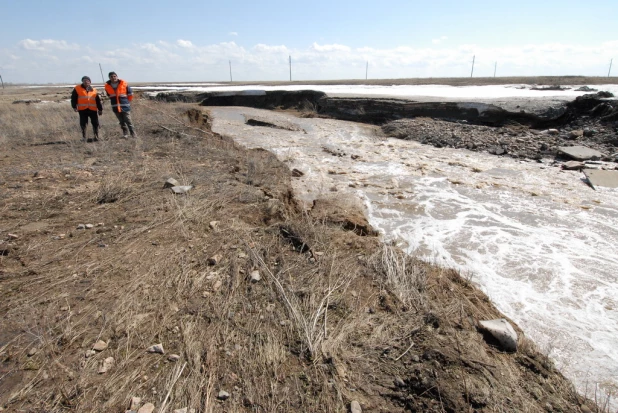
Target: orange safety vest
x=86 y=100
x=119 y=98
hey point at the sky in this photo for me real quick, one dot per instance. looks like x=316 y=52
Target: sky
x=43 y=41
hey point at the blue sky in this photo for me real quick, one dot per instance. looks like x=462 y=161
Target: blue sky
x=59 y=41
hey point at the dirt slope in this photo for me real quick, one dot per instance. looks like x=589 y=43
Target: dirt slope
x=265 y=308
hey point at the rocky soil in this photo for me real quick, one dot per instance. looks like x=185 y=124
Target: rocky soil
x=591 y=123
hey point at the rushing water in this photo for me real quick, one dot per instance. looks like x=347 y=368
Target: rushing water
x=539 y=241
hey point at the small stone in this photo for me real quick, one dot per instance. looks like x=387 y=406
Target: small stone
x=255 y=276
x=296 y=173
x=135 y=402
x=32 y=351
x=173 y=357
x=81 y=226
x=399 y=382
x=223 y=395
x=147 y=408
x=13 y=236
x=100 y=345
x=502 y=331
x=181 y=189
x=170 y=183
x=90 y=353
x=214 y=260
x=89 y=226
x=106 y=365
x=100 y=224
x=355 y=407
x=213 y=225
x=157 y=348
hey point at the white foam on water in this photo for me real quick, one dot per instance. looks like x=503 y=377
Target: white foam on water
x=536 y=239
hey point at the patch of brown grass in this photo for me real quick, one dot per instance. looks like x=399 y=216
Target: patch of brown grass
x=349 y=319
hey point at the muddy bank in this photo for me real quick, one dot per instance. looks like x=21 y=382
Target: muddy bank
x=535 y=113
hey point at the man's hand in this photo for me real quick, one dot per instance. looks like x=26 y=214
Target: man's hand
x=74 y=109
x=100 y=112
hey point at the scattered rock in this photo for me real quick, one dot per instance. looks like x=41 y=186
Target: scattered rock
x=32 y=351
x=13 y=236
x=573 y=165
x=106 y=365
x=599 y=177
x=355 y=407
x=147 y=408
x=170 y=183
x=135 y=402
x=81 y=226
x=579 y=153
x=576 y=134
x=213 y=225
x=255 y=276
x=184 y=410
x=181 y=189
x=223 y=395
x=297 y=173
x=502 y=331
x=214 y=260
x=89 y=226
x=90 y=353
x=100 y=345
x=157 y=348
x=173 y=357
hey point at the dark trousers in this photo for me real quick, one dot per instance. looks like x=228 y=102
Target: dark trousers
x=126 y=123
x=94 y=119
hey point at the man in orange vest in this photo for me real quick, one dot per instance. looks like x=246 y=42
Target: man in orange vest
x=86 y=101
x=120 y=95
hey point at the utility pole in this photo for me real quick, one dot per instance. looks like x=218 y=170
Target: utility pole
x=495 y=66
x=101 y=69
x=2 y=81
x=366 y=69
x=472 y=72
x=230 y=71
x=610 y=67
x=290 y=68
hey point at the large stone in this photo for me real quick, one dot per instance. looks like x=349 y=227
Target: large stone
x=502 y=331
x=579 y=153
x=600 y=177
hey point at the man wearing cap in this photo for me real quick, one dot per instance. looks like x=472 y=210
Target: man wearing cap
x=120 y=95
x=86 y=101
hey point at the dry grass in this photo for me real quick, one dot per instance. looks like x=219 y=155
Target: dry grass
x=337 y=323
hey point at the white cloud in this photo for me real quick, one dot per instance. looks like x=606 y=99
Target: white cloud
x=187 y=44
x=330 y=48
x=32 y=60
x=233 y=33
x=270 y=49
x=47 y=45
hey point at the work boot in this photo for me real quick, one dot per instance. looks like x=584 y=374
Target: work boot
x=132 y=131
x=125 y=132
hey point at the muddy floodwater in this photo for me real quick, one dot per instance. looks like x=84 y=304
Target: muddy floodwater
x=539 y=241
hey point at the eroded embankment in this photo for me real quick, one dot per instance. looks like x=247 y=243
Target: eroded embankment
x=381 y=110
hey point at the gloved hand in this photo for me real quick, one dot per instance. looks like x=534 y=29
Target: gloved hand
x=100 y=112
x=74 y=109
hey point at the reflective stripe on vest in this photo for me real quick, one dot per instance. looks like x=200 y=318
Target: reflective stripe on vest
x=86 y=100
